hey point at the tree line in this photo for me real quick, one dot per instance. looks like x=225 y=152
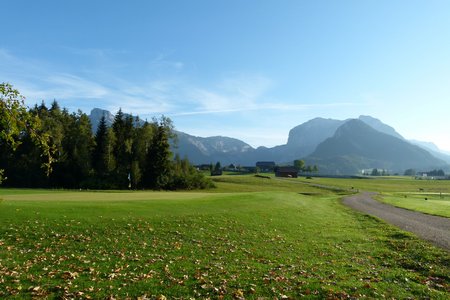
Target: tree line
x=302 y=167
x=49 y=147
x=413 y=172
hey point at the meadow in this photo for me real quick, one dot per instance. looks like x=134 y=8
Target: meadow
x=250 y=238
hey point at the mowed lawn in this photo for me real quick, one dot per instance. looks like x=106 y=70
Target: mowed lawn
x=434 y=204
x=384 y=184
x=428 y=196
x=288 y=241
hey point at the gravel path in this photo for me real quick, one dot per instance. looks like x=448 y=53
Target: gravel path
x=431 y=228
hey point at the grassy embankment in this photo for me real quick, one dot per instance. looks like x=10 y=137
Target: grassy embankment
x=251 y=237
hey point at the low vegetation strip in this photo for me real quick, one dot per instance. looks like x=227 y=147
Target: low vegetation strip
x=431 y=228
x=272 y=244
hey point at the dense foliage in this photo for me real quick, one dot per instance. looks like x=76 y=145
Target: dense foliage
x=436 y=173
x=129 y=154
x=16 y=123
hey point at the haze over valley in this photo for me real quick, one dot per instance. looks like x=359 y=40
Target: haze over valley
x=335 y=146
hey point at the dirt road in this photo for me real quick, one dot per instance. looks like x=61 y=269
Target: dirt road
x=431 y=228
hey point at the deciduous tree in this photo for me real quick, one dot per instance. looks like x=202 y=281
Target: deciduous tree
x=16 y=122
x=299 y=164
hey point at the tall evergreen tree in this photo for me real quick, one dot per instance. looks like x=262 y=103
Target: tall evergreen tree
x=159 y=156
x=142 y=138
x=78 y=144
x=123 y=130
x=100 y=151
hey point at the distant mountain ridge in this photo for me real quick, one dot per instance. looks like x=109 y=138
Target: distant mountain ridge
x=433 y=149
x=310 y=134
x=96 y=115
x=210 y=149
x=356 y=146
x=380 y=126
x=337 y=146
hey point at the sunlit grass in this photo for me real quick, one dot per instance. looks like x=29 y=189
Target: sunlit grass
x=430 y=203
x=385 y=184
x=289 y=241
x=428 y=196
x=254 y=183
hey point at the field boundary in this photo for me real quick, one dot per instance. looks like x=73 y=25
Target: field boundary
x=431 y=228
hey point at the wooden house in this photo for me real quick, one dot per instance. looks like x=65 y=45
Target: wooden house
x=289 y=171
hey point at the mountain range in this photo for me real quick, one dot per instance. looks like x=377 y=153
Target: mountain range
x=335 y=146
x=356 y=145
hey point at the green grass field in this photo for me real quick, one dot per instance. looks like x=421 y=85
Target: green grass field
x=249 y=238
x=428 y=196
x=385 y=184
x=430 y=203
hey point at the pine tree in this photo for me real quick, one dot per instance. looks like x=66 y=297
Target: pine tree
x=123 y=130
x=78 y=145
x=100 y=152
x=142 y=138
x=159 y=156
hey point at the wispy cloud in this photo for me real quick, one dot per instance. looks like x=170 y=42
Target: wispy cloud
x=236 y=92
x=95 y=53
x=163 y=61
x=170 y=95
x=38 y=80
x=308 y=106
x=272 y=107
x=72 y=86
x=248 y=92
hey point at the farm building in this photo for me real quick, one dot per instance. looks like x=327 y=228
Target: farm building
x=291 y=172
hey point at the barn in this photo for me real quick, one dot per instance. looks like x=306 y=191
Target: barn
x=291 y=172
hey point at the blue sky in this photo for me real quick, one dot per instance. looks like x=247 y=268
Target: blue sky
x=245 y=69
